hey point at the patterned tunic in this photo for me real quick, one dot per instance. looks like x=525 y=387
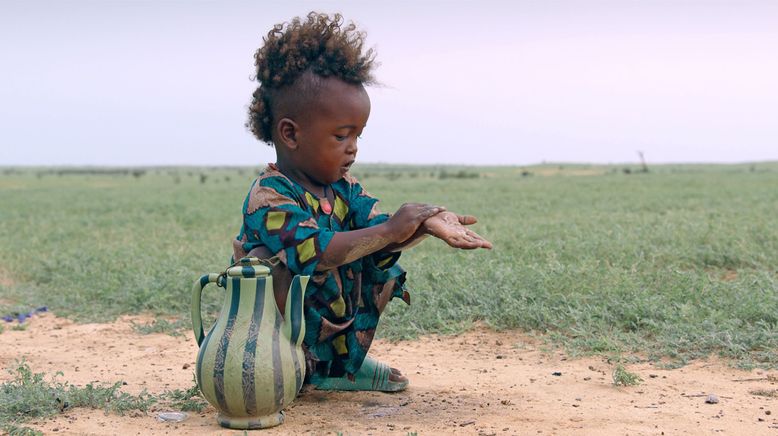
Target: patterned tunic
x=342 y=305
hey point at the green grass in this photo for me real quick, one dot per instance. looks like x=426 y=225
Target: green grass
x=622 y=377
x=29 y=395
x=162 y=325
x=188 y=400
x=674 y=264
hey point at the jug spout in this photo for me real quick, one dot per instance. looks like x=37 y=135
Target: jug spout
x=293 y=313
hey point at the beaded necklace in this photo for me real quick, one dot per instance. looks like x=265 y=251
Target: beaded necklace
x=324 y=202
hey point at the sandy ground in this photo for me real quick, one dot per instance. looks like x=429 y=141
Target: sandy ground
x=481 y=382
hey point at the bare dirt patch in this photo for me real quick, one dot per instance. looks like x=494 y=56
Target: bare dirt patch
x=481 y=382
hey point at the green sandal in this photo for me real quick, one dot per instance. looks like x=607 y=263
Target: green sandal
x=372 y=376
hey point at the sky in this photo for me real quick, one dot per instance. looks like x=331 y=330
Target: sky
x=486 y=82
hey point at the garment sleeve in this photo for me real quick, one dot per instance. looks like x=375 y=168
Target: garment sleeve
x=273 y=218
x=367 y=214
x=365 y=208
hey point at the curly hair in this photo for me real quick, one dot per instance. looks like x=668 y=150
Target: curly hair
x=321 y=45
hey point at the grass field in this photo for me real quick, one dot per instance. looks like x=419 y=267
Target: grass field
x=673 y=264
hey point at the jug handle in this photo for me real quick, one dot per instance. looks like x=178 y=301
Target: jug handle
x=197 y=291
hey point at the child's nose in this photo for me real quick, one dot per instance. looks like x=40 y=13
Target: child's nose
x=352 y=148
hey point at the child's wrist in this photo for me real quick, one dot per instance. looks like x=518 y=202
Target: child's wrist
x=423 y=229
x=385 y=233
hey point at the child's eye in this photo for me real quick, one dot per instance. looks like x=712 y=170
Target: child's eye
x=340 y=137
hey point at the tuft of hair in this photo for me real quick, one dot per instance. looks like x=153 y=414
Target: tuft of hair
x=319 y=44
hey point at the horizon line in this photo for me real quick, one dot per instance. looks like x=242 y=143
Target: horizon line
x=537 y=164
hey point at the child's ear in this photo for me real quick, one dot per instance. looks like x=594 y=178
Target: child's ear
x=287 y=132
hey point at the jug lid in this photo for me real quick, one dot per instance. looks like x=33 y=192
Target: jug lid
x=248 y=267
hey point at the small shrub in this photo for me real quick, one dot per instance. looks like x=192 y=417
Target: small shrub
x=461 y=174
x=622 y=377
x=189 y=400
x=161 y=326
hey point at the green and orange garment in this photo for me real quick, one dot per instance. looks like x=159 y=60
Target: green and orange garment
x=342 y=305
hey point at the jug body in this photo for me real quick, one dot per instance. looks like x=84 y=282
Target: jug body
x=250 y=364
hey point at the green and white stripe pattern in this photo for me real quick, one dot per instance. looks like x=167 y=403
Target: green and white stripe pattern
x=250 y=364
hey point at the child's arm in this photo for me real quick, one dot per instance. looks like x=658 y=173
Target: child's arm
x=448 y=227
x=420 y=235
x=346 y=247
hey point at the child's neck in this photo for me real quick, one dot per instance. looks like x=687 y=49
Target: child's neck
x=302 y=179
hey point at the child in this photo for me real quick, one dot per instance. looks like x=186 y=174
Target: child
x=308 y=213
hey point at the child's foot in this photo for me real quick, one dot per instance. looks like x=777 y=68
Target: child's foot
x=397 y=376
x=372 y=376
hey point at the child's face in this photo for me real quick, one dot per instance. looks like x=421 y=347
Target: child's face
x=328 y=133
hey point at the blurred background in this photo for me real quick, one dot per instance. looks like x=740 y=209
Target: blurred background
x=462 y=82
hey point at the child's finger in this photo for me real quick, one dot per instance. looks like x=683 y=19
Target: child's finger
x=481 y=240
x=466 y=220
x=486 y=244
x=432 y=211
x=464 y=242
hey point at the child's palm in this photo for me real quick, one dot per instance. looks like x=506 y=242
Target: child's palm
x=450 y=228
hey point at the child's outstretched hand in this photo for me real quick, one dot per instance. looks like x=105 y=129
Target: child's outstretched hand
x=409 y=217
x=450 y=227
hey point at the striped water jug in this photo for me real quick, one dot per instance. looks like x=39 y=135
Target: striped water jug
x=250 y=364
